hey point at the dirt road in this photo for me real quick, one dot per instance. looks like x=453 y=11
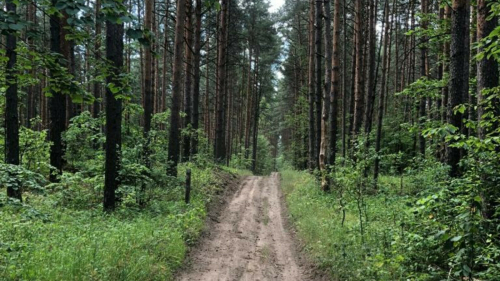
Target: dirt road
x=248 y=241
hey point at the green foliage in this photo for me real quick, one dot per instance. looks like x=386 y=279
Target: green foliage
x=18 y=177
x=63 y=234
x=265 y=161
x=82 y=138
x=34 y=150
x=349 y=248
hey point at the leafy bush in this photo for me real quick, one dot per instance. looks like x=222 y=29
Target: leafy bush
x=82 y=138
x=34 y=150
x=18 y=177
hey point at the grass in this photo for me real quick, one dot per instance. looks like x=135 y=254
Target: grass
x=43 y=239
x=346 y=250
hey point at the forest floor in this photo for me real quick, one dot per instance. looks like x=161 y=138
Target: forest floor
x=247 y=238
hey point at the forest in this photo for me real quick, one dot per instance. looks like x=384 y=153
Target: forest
x=250 y=140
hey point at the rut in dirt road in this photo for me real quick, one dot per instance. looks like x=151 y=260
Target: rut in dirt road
x=249 y=242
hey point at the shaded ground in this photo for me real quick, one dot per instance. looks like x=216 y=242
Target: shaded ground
x=248 y=240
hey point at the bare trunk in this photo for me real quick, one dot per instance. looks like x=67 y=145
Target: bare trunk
x=459 y=73
x=312 y=135
x=174 y=131
x=11 y=104
x=188 y=82
x=114 y=54
x=220 y=143
x=359 y=97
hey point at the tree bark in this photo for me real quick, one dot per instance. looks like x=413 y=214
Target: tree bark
x=11 y=104
x=318 y=87
x=327 y=95
x=114 y=54
x=148 y=71
x=487 y=78
x=424 y=73
x=97 y=49
x=174 y=130
x=487 y=69
x=383 y=89
x=311 y=142
x=188 y=81
x=220 y=141
x=459 y=73
x=359 y=97
x=196 y=78
x=57 y=104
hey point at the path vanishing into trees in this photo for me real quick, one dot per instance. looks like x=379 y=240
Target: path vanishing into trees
x=249 y=240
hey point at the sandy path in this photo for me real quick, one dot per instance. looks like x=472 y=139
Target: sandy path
x=249 y=242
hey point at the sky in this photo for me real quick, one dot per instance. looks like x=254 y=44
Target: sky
x=275 y=5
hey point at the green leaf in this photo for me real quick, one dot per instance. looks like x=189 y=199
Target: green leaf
x=16 y=26
x=134 y=33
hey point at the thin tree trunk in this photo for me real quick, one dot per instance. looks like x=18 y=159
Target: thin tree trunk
x=97 y=52
x=312 y=135
x=424 y=73
x=148 y=71
x=372 y=71
x=383 y=88
x=319 y=88
x=220 y=143
x=344 y=82
x=11 y=104
x=196 y=78
x=327 y=94
x=188 y=82
x=359 y=96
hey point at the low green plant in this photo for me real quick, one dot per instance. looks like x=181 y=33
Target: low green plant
x=62 y=233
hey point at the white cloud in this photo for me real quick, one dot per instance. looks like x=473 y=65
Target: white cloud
x=275 y=5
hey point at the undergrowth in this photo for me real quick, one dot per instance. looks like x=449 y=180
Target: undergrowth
x=335 y=240
x=61 y=233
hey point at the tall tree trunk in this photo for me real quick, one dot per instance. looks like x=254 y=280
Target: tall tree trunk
x=114 y=54
x=249 y=99
x=459 y=73
x=445 y=90
x=97 y=49
x=208 y=120
x=196 y=78
x=359 y=97
x=487 y=78
x=188 y=82
x=148 y=71
x=30 y=90
x=424 y=73
x=256 y=116
x=372 y=71
x=383 y=89
x=57 y=103
x=311 y=144
x=487 y=69
x=220 y=143
x=327 y=94
x=174 y=131
x=344 y=80
x=11 y=104
x=319 y=88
